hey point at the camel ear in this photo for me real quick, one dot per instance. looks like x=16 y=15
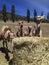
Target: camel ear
x=20 y=22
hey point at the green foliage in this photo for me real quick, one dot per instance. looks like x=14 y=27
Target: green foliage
x=42 y=13
x=13 y=13
x=4 y=13
x=35 y=14
x=28 y=15
x=48 y=16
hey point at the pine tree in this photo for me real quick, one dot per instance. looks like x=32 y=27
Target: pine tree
x=42 y=13
x=35 y=14
x=13 y=13
x=28 y=15
x=48 y=16
x=4 y=13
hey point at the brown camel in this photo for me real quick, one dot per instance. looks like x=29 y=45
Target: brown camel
x=5 y=35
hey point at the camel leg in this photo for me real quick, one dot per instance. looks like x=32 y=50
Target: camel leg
x=3 y=43
x=40 y=33
x=6 y=44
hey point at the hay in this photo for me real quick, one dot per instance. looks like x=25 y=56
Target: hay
x=30 y=51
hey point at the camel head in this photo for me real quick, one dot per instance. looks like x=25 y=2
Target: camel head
x=40 y=18
x=21 y=24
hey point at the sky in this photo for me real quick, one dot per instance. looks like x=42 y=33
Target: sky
x=21 y=6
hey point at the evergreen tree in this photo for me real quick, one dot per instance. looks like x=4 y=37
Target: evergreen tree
x=28 y=15
x=4 y=13
x=13 y=13
x=35 y=14
x=42 y=13
x=48 y=16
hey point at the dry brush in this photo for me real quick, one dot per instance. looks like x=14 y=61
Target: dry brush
x=30 y=51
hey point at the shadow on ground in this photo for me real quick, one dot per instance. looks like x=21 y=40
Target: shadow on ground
x=6 y=52
x=11 y=62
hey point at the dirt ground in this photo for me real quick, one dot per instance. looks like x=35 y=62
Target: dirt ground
x=14 y=26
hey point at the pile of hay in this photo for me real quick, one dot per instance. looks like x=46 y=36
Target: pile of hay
x=30 y=51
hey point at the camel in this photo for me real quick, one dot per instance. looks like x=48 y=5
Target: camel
x=19 y=33
x=5 y=35
x=37 y=29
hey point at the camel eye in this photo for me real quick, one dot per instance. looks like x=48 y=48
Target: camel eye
x=22 y=21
